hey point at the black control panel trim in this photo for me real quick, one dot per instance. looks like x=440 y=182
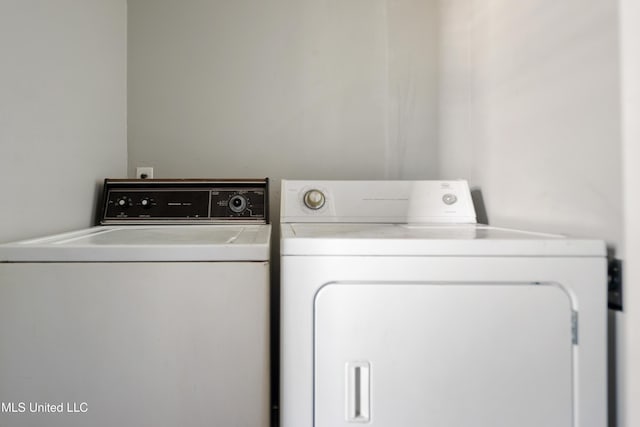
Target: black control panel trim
x=184 y=201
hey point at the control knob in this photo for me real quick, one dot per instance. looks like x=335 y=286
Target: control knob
x=145 y=203
x=123 y=202
x=314 y=199
x=238 y=203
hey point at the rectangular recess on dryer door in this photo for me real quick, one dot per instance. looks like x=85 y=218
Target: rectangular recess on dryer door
x=358 y=392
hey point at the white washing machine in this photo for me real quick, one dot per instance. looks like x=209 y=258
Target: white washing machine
x=157 y=318
x=397 y=309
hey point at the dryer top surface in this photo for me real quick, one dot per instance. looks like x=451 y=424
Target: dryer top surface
x=428 y=240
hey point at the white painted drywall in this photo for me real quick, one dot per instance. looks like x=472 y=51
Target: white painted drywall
x=412 y=67
x=62 y=111
x=530 y=111
x=628 y=367
x=285 y=88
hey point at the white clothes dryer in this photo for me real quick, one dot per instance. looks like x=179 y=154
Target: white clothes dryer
x=159 y=317
x=397 y=309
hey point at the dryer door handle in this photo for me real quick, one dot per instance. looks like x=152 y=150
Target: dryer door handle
x=358 y=392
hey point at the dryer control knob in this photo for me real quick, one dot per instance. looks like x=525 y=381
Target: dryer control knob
x=314 y=199
x=146 y=203
x=449 y=199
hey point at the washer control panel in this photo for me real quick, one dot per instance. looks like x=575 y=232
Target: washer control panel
x=184 y=201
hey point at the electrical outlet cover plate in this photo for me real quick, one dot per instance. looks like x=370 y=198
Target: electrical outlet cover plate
x=144 y=172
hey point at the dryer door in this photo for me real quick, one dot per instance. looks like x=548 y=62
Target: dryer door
x=455 y=355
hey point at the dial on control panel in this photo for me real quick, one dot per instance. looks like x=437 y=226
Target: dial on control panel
x=238 y=203
x=314 y=199
x=146 y=202
x=123 y=202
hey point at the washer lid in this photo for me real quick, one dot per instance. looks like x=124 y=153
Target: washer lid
x=146 y=243
x=429 y=240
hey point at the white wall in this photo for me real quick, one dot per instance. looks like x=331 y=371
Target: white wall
x=530 y=111
x=412 y=73
x=629 y=368
x=62 y=111
x=285 y=88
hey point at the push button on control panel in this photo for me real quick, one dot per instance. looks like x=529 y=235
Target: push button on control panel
x=449 y=199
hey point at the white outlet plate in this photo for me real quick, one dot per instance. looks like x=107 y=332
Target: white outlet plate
x=144 y=173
